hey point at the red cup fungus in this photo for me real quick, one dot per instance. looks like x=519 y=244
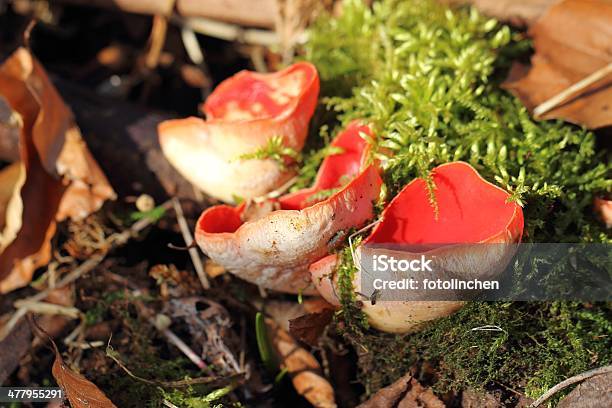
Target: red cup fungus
x=470 y=210
x=275 y=250
x=242 y=114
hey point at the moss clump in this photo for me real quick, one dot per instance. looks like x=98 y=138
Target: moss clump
x=189 y=398
x=427 y=79
x=537 y=346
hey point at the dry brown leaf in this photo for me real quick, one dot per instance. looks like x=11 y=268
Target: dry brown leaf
x=58 y=177
x=517 y=12
x=389 y=396
x=304 y=370
x=404 y=393
x=309 y=327
x=81 y=392
x=420 y=397
x=572 y=41
x=595 y=392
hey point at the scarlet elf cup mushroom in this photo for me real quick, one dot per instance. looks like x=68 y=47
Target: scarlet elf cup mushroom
x=471 y=232
x=275 y=250
x=242 y=115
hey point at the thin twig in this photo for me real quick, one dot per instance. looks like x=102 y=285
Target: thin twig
x=350 y=239
x=572 y=380
x=162 y=328
x=180 y=344
x=49 y=308
x=192 y=46
x=157 y=40
x=488 y=327
x=227 y=31
x=113 y=355
x=188 y=238
x=579 y=86
x=11 y=323
x=85 y=345
x=82 y=269
x=114 y=240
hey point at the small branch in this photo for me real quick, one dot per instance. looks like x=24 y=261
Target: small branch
x=228 y=32
x=570 y=381
x=192 y=46
x=157 y=40
x=564 y=95
x=193 y=252
x=159 y=324
x=48 y=308
x=180 y=344
x=114 y=241
x=11 y=323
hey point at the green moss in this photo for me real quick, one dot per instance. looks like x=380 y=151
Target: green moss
x=274 y=150
x=539 y=345
x=189 y=398
x=427 y=79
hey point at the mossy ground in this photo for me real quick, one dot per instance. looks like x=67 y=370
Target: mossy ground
x=427 y=79
x=537 y=346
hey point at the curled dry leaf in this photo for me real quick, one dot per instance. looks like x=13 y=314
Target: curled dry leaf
x=243 y=115
x=572 y=41
x=304 y=370
x=81 y=392
x=404 y=393
x=309 y=327
x=275 y=250
x=54 y=178
x=470 y=211
x=284 y=311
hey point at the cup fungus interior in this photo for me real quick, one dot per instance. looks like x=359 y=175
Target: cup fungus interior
x=221 y=219
x=471 y=210
x=251 y=96
x=336 y=169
